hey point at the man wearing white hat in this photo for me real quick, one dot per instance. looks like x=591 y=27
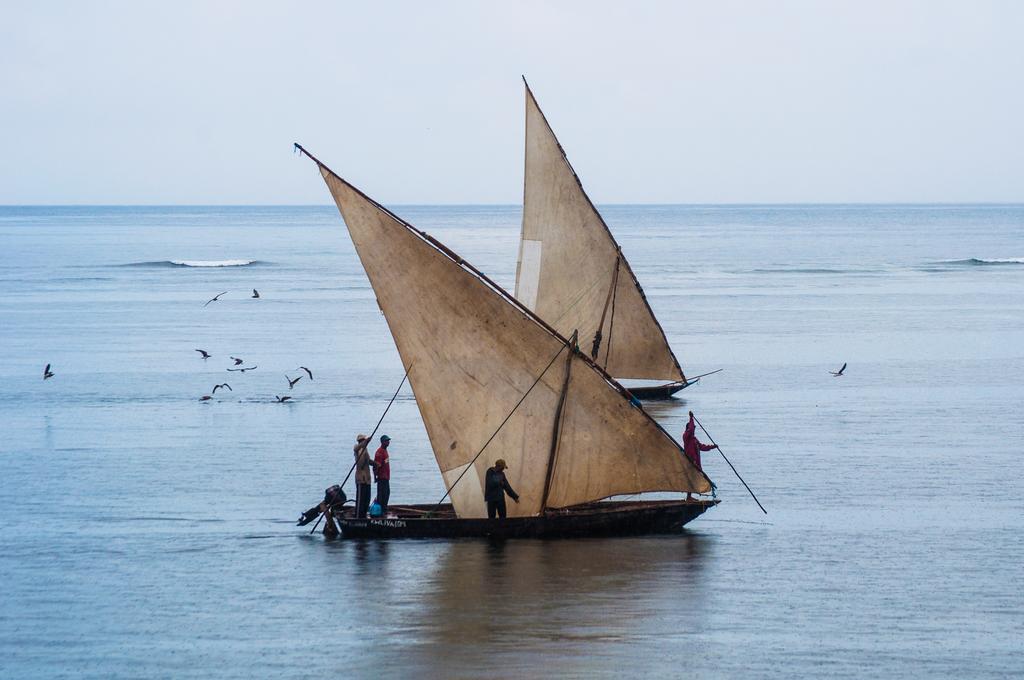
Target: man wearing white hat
x=362 y=474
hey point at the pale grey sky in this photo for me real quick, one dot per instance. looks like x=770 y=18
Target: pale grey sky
x=421 y=102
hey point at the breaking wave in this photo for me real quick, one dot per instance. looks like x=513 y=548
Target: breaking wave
x=811 y=270
x=977 y=262
x=194 y=263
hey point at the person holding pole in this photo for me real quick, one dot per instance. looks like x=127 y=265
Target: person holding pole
x=693 y=446
x=362 y=465
x=382 y=471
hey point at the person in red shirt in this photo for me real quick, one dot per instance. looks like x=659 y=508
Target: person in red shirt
x=382 y=471
x=693 y=446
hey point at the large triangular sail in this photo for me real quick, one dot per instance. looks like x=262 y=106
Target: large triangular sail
x=571 y=271
x=474 y=352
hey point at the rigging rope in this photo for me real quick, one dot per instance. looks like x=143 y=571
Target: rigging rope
x=491 y=438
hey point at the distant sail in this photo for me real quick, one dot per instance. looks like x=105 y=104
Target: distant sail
x=571 y=272
x=474 y=353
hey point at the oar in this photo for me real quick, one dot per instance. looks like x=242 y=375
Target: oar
x=731 y=465
x=375 y=427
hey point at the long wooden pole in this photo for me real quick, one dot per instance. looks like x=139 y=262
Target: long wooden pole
x=381 y=420
x=719 y=370
x=595 y=350
x=731 y=465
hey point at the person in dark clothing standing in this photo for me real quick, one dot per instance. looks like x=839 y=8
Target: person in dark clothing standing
x=693 y=446
x=362 y=475
x=495 y=487
x=382 y=471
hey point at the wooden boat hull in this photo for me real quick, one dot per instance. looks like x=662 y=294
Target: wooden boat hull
x=660 y=391
x=625 y=518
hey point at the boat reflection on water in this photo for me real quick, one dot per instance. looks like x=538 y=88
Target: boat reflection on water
x=500 y=604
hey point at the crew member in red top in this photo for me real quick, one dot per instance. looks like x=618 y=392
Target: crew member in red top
x=693 y=446
x=382 y=471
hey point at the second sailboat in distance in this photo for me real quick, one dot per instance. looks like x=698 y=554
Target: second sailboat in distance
x=572 y=273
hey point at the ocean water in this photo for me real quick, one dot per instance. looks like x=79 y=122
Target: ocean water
x=144 y=534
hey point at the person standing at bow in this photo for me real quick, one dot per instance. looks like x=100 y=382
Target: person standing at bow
x=495 y=487
x=382 y=471
x=693 y=446
x=362 y=475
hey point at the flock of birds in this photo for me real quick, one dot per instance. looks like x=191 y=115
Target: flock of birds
x=237 y=364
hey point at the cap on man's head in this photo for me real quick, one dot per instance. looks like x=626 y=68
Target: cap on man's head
x=385 y=438
x=360 y=437
x=500 y=464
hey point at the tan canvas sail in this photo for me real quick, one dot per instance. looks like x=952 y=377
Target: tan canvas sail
x=571 y=272
x=474 y=353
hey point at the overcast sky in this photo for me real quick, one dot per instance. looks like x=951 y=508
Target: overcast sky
x=422 y=102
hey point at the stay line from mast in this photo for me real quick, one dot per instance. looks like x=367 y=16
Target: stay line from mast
x=495 y=434
x=511 y=299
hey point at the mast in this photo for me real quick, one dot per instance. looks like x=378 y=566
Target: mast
x=558 y=424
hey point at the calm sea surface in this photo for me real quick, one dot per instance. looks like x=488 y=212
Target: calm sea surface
x=145 y=534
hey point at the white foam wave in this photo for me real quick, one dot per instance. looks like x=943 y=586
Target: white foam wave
x=978 y=262
x=1009 y=260
x=212 y=263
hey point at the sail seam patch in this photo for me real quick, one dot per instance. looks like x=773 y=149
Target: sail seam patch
x=528 y=282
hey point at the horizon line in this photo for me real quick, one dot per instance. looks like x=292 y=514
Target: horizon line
x=516 y=205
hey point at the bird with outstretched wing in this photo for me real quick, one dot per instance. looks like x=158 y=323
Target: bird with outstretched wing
x=215 y=298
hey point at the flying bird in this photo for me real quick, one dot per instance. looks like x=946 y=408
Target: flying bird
x=216 y=387
x=206 y=355
x=215 y=297
x=236 y=360
x=281 y=400
x=308 y=372
x=255 y=294
x=243 y=369
x=839 y=372
x=291 y=383
x=47 y=373
x=205 y=397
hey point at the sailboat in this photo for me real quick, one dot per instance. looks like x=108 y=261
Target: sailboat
x=493 y=380
x=572 y=273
